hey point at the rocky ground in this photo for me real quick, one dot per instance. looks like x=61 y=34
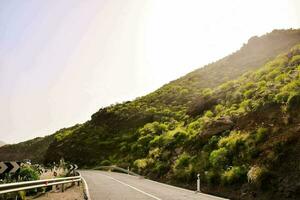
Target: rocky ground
x=72 y=193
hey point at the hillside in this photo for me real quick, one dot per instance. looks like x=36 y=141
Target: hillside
x=2 y=143
x=114 y=128
x=34 y=149
x=233 y=121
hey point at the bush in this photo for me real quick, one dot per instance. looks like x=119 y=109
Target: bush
x=261 y=134
x=28 y=174
x=160 y=168
x=157 y=141
x=105 y=163
x=293 y=101
x=245 y=106
x=249 y=93
x=143 y=163
x=209 y=114
x=212 y=177
x=234 y=141
x=182 y=161
x=218 y=158
x=233 y=175
x=282 y=97
x=256 y=174
x=179 y=136
x=144 y=140
x=295 y=60
x=154 y=128
x=219 y=108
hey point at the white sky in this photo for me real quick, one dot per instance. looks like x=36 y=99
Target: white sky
x=60 y=61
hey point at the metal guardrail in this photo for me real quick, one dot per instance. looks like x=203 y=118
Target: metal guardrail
x=26 y=185
x=113 y=167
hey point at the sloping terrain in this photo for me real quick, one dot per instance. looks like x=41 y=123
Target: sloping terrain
x=34 y=149
x=2 y=143
x=233 y=121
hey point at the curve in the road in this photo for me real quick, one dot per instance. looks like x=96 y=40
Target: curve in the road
x=118 y=186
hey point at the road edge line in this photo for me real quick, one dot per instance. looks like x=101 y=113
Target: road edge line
x=86 y=189
x=139 y=190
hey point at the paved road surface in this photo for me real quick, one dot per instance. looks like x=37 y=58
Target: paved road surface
x=117 y=186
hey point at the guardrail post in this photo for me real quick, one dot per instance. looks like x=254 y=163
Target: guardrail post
x=198 y=183
x=62 y=187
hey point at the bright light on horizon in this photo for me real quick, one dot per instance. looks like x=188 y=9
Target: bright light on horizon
x=62 y=61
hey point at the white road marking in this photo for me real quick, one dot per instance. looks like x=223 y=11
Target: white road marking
x=87 y=191
x=141 y=191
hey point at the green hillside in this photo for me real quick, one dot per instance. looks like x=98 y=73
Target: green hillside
x=233 y=121
x=34 y=149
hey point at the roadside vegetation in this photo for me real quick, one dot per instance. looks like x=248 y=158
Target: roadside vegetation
x=29 y=172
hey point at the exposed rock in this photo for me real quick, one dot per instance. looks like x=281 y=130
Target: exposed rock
x=200 y=105
x=218 y=126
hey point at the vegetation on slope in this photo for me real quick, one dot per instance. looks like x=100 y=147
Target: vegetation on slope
x=34 y=149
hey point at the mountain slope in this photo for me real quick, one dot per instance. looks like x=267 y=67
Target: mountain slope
x=114 y=127
x=34 y=149
x=2 y=143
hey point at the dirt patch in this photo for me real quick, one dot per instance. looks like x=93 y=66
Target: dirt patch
x=72 y=193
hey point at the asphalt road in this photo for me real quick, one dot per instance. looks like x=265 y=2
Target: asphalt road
x=117 y=186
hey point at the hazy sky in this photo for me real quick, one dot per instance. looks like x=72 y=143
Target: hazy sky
x=62 y=60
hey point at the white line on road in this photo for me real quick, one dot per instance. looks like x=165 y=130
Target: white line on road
x=150 y=195
x=86 y=189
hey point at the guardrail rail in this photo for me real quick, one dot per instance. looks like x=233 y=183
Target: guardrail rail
x=116 y=168
x=27 y=185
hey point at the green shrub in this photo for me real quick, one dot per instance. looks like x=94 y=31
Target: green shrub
x=154 y=128
x=295 y=60
x=183 y=168
x=160 y=168
x=261 y=134
x=212 y=177
x=234 y=141
x=211 y=144
x=28 y=174
x=105 y=163
x=155 y=153
x=157 y=141
x=293 y=101
x=182 y=161
x=245 y=106
x=218 y=158
x=143 y=163
x=209 y=114
x=249 y=93
x=207 y=92
x=282 y=97
x=234 y=174
x=219 y=108
x=145 y=139
x=179 y=136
